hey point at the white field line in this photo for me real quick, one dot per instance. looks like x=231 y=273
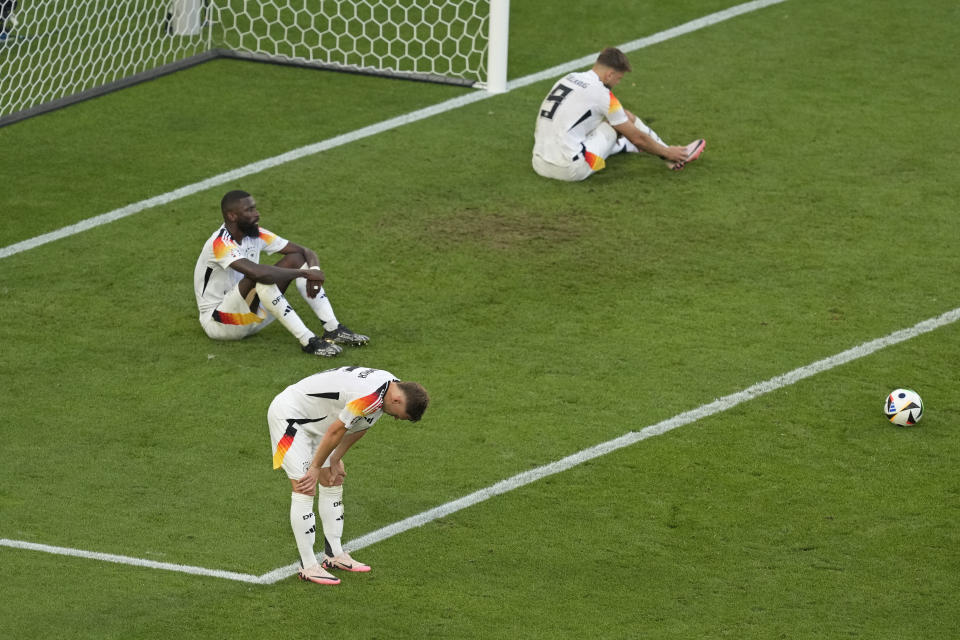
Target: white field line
x=365 y=132
x=521 y=479
x=642 y=43
x=717 y=406
x=138 y=562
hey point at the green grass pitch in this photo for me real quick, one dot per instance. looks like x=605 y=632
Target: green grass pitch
x=544 y=318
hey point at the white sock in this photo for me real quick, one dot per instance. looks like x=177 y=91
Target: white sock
x=626 y=145
x=647 y=130
x=304 y=526
x=320 y=305
x=276 y=304
x=330 y=510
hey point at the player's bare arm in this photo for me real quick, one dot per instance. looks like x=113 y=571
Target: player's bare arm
x=331 y=439
x=299 y=255
x=269 y=274
x=337 y=470
x=645 y=143
x=309 y=256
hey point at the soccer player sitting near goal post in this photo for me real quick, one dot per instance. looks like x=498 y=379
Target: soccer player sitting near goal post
x=237 y=296
x=581 y=123
x=313 y=423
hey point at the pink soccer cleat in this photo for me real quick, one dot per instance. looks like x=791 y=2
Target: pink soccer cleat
x=344 y=562
x=318 y=575
x=694 y=149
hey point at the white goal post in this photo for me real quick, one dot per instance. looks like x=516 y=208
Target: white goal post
x=57 y=52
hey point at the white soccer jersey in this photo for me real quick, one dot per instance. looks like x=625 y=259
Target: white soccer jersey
x=300 y=415
x=575 y=106
x=353 y=395
x=213 y=277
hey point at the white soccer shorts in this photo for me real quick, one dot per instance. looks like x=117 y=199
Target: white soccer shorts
x=233 y=320
x=292 y=446
x=600 y=142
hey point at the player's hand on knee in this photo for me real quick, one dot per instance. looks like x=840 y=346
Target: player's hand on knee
x=315 y=279
x=307 y=485
x=327 y=477
x=338 y=472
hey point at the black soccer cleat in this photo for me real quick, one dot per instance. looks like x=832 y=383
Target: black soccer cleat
x=319 y=346
x=343 y=335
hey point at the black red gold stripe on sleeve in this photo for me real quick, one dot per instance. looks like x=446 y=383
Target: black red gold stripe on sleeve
x=368 y=404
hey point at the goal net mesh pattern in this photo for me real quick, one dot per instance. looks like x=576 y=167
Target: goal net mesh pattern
x=432 y=39
x=55 y=52
x=57 y=48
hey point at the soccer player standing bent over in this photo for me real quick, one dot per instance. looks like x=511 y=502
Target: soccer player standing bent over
x=313 y=423
x=581 y=123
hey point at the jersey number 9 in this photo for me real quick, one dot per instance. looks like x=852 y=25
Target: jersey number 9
x=556 y=97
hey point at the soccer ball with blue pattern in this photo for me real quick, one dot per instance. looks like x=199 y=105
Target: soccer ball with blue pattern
x=903 y=407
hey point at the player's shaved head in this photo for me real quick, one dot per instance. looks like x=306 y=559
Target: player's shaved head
x=230 y=200
x=615 y=59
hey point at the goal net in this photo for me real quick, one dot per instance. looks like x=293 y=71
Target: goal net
x=56 y=52
x=52 y=50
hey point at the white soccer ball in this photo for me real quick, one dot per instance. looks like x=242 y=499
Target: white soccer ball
x=903 y=407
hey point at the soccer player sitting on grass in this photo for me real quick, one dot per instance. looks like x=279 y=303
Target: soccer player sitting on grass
x=313 y=423
x=237 y=296
x=581 y=123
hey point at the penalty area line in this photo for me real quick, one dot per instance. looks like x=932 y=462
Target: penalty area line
x=137 y=562
x=365 y=132
x=527 y=477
